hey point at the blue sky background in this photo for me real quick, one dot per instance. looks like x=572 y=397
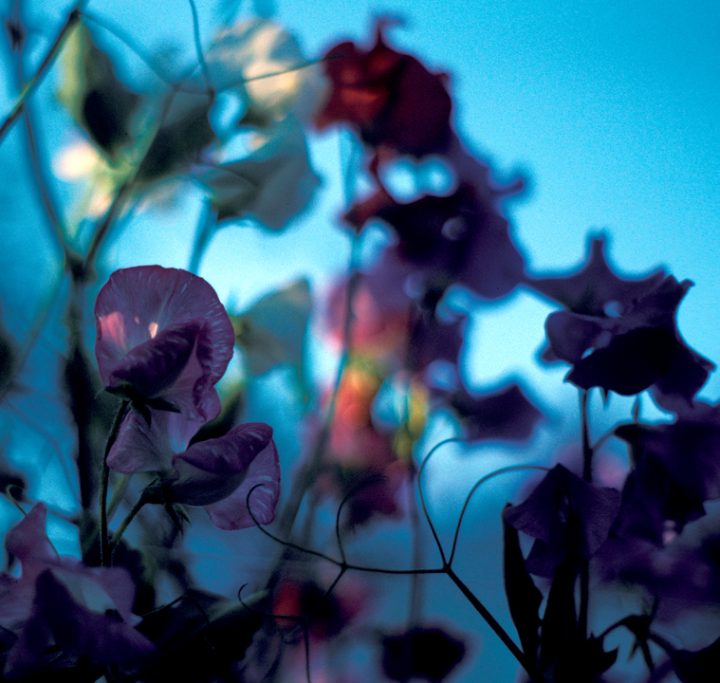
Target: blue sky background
x=610 y=108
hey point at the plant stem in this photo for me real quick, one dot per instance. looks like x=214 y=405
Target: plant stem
x=104 y=479
x=535 y=675
x=586 y=447
x=35 y=81
x=584 y=569
x=126 y=523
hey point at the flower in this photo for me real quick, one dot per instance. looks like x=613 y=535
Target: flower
x=390 y=97
x=621 y=335
x=236 y=477
x=58 y=602
x=163 y=341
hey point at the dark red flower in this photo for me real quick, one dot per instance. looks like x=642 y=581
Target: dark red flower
x=390 y=97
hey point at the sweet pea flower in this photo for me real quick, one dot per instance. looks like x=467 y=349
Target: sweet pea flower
x=58 y=602
x=163 y=341
x=226 y=475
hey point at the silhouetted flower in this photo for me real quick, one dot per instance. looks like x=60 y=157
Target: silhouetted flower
x=58 y=602
x=676 y=469
x=621 y=335
x=565 y=515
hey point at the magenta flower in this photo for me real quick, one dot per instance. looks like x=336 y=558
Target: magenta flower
x=58 y=602
x=163 y=341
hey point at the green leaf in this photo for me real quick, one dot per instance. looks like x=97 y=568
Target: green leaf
x=272 y=331
x=184 y=133
x=99 y=102
x=272 y=184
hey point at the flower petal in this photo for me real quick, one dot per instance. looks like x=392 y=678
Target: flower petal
x=157 y=364
x=137 y=303
x=232 y=512
x=143 y=448
x=211 y=470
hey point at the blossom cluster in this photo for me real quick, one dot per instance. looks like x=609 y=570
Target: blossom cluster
x=160 y=427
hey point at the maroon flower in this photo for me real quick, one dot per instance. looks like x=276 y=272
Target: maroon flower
x=390 y=97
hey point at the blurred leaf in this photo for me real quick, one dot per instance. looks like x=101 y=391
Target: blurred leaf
x=273 y=183
x=185 y=131
x=91 y=91
x=273 y=330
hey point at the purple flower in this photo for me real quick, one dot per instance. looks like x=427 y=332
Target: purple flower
x=58 y=601
x=566 y=516
x=505 y=414
x=676 y=470
x=163 y=341
x=220 y=474
x=621 y=335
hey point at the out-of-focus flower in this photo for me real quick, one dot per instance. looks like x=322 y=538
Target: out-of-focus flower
x=264 y=62
x=328 y=615
x=57 y=602
x=272 y=184
x=219 y=474
x=81 y=161
x=505 y=414
x=423 y=652
x=163 y=340
x=390 y=97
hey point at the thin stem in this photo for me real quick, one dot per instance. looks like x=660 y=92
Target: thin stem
x=586 y=447
x=34 y=82
x=40 y=177
x=511 y=468
x=198 y=47
x=126 y=523
x=205 y=231
x=584 y=570
x=416 y=580
x=104 y=226
x=104 y=480
x=309 y=473
x=535 y=675
x=433 y=450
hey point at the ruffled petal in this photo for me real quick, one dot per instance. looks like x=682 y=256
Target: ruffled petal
x=232 y=512
x=158 y=363
x=137 y=303
x=211 y=470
